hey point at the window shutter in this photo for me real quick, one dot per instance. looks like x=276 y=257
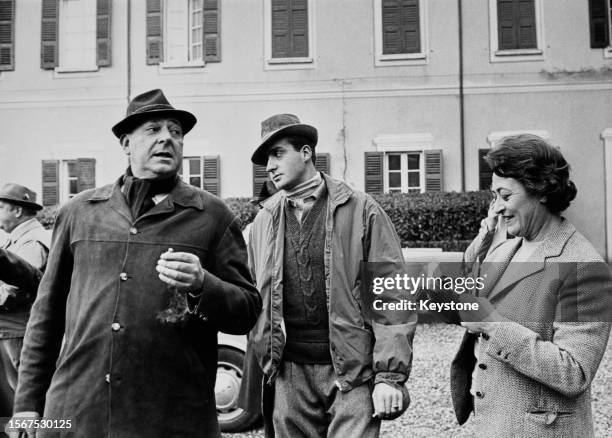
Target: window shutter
x=410 y=26
x=485 y=173
x=103 y=32
x=322 y=163
x=154 y=32
x=259 y=178
x=49 y=29
x=86 y=174
x=211 y=175
x=212 y=31
x=374 y=172
x=280 y=29
x=516 y=23
x=391 y=27
x=599 y=24
x=505 y=25
x=299 y=28
x=7 y=35
x=401 y=26
x=527 y=36
x=50 y=182
x=433 y=170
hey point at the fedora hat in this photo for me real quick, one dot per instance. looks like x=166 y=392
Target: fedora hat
x=281 y=125
x=20 y=195
x=148 y=105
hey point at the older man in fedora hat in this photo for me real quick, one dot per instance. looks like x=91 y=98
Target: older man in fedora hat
x=142 y=275
x=29 y=241
x=329 y=371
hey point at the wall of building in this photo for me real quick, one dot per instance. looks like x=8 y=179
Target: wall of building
x=50 y=115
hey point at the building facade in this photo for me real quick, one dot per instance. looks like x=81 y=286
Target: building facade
x=407 y=95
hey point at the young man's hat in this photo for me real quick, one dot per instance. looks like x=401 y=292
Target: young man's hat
x=19 y=195
x=278 y=126
x=149 y=105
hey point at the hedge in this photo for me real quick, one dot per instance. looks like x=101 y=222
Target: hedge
x=447 y=220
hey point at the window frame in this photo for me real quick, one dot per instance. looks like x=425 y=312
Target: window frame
x=516 y=55
x=404 y=171
x=185 y=176
x=186 y=63
x=399 y=59
x=64 y=180
x=608 y=50
x=292 y=63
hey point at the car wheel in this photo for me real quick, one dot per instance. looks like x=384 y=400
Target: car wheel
x=229 y=375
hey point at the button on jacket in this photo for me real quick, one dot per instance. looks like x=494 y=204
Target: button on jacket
x=122 y=372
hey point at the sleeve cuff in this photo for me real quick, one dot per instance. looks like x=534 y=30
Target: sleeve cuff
x=390 y=378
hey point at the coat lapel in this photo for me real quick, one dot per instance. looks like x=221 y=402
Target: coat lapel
x=512 y=273
x=496 y=264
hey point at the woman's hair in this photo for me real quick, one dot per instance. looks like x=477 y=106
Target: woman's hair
x=537 y=165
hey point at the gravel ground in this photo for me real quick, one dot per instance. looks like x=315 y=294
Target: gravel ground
x=431 y=412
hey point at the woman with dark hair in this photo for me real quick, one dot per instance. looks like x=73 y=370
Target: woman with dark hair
x=526 y=370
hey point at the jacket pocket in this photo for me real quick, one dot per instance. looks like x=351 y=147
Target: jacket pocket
x=539 y=423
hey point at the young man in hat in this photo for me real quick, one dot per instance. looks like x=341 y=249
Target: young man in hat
x=30 y=241
x=141 y=276
x=330 y=371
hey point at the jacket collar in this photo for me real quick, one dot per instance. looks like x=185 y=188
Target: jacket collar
x=182 y=194
x=338 y=193
x=20 y=230
x=503 y=274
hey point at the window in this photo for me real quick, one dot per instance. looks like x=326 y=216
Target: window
x=183 y=33
x=202 y=172
x=600 y=14
x=403 y=172
x=485 y=174
x=62 y=180
x=75 y=35
x=69 y=184
x=403 y=163
x=399 y=32
x=7 y=35
x=288 y=33
x=516 y=30
x=183 y=30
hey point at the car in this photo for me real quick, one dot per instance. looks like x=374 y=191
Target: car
x=229 y=376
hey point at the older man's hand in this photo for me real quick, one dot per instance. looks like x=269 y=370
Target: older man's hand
x=181 y=270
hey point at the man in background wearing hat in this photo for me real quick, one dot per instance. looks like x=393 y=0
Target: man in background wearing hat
x=30 y=241
x=141 y=276
x=329 y=372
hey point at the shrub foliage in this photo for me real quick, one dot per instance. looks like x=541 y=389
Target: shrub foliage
x=446 y=220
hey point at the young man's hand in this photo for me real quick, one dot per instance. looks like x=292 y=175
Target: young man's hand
x=387 y=400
